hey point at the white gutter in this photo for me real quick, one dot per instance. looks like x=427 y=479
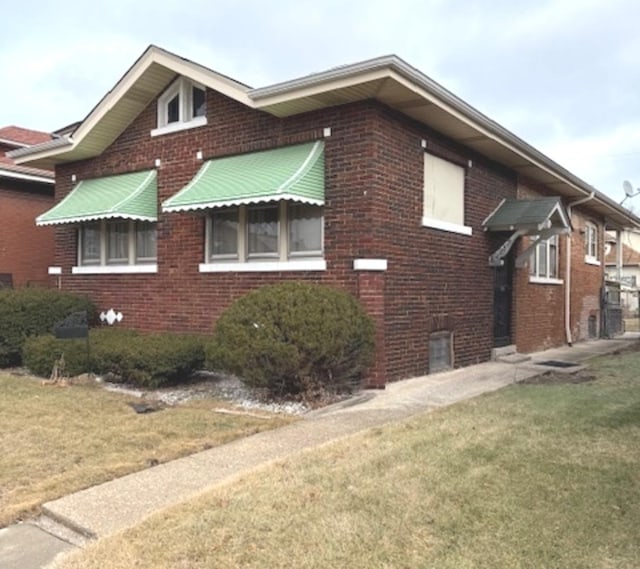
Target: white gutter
x=13 y=174
x=42 y=147
x=567 y=278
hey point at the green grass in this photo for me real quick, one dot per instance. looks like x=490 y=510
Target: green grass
x=55 y=441
x=533 y=476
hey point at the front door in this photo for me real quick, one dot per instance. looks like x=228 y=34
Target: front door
x=502 y=303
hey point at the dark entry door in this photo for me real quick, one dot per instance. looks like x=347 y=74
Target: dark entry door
x=502 y=304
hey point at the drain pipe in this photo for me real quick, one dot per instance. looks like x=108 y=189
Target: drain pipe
x=567 y=278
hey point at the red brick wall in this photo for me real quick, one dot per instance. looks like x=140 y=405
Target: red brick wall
x=586 y=279
x=374 y=170
x=538 y=309
x=26 y=251
x=178 y=297
x=374 y=185
x=436 y=279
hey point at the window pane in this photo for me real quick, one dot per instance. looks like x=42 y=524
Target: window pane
x=533 y=260
x=146 y=241
x=591 y=241
x=542 y=259
x=173 y=109
x=198 y=102
x=443 y=190
x=305 y=228
x=224 y=233
x=553 y=257
x=262 y=231
x=118 y=241
x=90 y=244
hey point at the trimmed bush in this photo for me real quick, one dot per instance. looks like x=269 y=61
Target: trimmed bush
x=30 y=312
x=147 y=360
x=40 y=353
x=294 y=338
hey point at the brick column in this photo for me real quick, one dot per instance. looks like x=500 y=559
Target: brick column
x=371 y=280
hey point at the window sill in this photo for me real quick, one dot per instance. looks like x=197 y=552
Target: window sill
x=264 y=266
x=178 y=126
x=115 y=269
x=545 y=280
x=592 y=261
x=446 y=226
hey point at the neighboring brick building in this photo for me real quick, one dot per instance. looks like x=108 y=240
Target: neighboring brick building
x=183 y=190
x=25 y=249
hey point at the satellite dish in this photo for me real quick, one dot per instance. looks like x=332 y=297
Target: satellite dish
x=628 y=188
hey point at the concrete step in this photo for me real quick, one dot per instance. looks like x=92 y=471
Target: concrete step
x=508 y=355
x=515 y=358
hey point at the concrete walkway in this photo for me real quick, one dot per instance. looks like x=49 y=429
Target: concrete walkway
x=74 y=520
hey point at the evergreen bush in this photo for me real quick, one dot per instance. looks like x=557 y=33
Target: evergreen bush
x=41 y=352
x=294 y=338
x=33 y=311
x=146 y=360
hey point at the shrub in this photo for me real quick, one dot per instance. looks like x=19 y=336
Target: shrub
x=30 y=312
x=294 y=338
x=40 y=352
x=148 y=360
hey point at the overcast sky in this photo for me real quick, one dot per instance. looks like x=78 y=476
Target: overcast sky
x=564 y=75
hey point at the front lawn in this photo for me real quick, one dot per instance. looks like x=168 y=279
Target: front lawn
x=533 y=476
x=58 y=440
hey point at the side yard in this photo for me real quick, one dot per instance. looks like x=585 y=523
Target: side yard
x=57 y=440
x=545 y=474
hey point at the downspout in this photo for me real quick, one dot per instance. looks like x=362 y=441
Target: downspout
x=567 y=277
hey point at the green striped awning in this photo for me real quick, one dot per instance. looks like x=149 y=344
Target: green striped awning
x=291 y=173
x=126 y=196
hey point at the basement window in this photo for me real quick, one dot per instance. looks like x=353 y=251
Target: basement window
x=440 y=351
x=182 y=106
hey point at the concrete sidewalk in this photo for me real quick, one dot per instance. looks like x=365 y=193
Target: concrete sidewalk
x=97 y=512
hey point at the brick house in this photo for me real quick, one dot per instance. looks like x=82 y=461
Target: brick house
x=184 y=189
x=25 y=192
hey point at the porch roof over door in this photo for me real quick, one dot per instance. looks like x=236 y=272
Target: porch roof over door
x=530 y=215
x=541 y=218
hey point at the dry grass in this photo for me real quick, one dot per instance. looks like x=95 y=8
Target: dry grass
x=55 y=441
x=534 y=476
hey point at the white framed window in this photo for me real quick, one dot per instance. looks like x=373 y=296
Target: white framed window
x=543 y=263
x=183 y=105
x=591 y=243
x=117 y=246
x=443 y=195
x=273 y=236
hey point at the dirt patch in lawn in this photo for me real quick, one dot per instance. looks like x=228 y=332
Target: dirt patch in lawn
x=554 y=377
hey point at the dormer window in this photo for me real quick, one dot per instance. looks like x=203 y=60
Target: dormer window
x=183 y=105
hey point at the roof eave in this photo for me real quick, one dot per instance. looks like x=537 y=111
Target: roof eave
x=394 y=68
x=137 y=88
